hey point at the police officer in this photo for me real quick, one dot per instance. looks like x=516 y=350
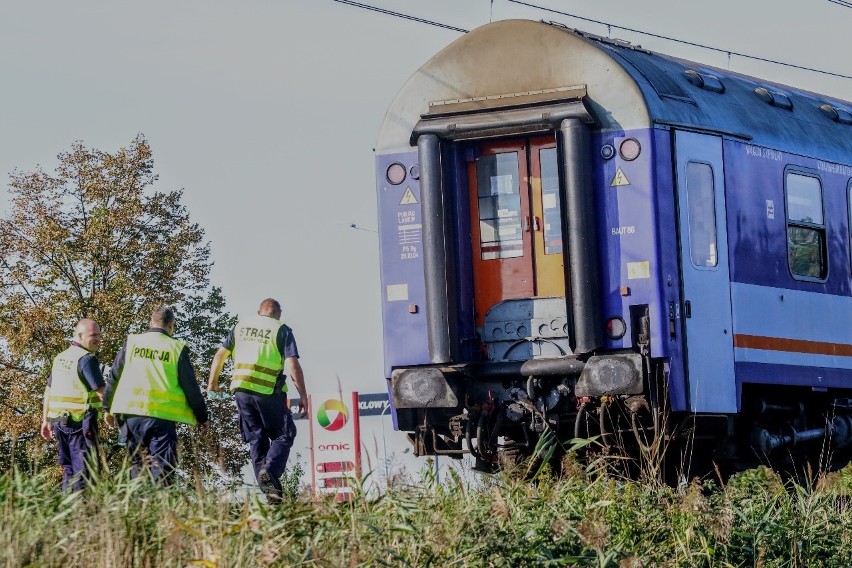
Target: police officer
x=151 y=387
x=264 y=352
x=74 y=391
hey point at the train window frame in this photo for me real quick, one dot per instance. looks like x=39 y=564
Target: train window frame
x=491 y=190
x=551 y=231
x=805 y=225
x=849 y=211
x=713 y=252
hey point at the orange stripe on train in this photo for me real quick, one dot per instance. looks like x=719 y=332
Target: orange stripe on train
x=792 y=345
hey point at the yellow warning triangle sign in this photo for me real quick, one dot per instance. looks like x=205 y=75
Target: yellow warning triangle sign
x=408 y=197
x=619 y=179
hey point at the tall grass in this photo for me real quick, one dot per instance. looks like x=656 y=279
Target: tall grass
x=587 y=518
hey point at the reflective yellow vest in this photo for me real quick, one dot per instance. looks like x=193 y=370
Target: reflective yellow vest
x=67 y=392
x=257 y=361
x=148 y=385
x=96 y=403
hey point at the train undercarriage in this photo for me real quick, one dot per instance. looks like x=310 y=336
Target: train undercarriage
x=614 y=404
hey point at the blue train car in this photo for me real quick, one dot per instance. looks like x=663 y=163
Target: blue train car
x=584 y=237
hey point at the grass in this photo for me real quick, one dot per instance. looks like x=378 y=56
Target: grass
x=587 y=518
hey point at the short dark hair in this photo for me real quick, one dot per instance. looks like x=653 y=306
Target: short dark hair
x=162 y=316
x=269 y=307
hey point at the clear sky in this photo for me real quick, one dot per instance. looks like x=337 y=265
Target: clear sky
x=266 y=111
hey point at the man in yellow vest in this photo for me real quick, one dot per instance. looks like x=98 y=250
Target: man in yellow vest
x=151 y=387
x=264 y=352
x=73 y=394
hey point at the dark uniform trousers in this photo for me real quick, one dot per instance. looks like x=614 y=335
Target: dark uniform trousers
x=159 y=437
x=267 y=426
x=77 y=453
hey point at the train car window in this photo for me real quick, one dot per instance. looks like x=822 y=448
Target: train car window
x=550 y=202
x=849 y=202
x=499 y=206
x=701 y=200
x=805 y=226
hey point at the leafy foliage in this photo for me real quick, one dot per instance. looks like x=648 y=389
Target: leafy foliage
x=291 y=481
x=95 y=240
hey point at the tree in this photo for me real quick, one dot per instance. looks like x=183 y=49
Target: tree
x=93 y=240
x=219 y=454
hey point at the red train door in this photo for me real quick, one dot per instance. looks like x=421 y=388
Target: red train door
x=516 y=224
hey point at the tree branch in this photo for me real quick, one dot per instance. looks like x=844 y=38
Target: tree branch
x=21 y=284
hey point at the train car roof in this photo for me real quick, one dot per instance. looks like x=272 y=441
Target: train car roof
x=625 y=87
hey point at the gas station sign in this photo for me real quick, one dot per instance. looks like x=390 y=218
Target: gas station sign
x=335 y=444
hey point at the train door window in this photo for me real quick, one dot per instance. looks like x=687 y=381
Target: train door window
x=701 y=200
x=550 y=202
x=499 y=206
x=806 y=252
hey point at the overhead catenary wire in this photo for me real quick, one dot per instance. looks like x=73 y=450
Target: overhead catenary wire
x=610 y=26
x=400 y=15
x=676 y=40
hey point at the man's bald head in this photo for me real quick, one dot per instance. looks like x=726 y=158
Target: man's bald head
x=270 y=308
x=87 y=333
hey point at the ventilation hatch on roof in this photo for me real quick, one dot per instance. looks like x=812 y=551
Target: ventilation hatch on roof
x=836 y=113
x=661 y=81
x=704 y=81
x=774 y=98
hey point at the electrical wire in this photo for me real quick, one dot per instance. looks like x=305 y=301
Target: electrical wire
x=360 y=228
x=400 y=15
x=676 y=40
x=729 y=52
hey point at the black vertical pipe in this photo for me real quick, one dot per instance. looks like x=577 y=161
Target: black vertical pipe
x=582 y=270
x=434 y=248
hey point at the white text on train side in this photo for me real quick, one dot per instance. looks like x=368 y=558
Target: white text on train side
x=624 y=230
